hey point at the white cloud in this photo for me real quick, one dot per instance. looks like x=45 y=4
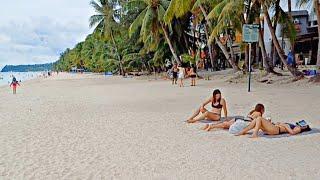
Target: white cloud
x=38 y=31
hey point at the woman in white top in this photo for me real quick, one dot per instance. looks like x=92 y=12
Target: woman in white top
x=181 y=75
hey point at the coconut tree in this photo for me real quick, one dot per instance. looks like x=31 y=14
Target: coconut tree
x=150 y=22
x=105 y=22
x=179 y=8
x=228 y=16
x=276 y=43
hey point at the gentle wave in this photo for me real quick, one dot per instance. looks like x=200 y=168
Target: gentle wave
x=6 y=77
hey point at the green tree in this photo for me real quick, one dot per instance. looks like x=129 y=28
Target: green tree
x=105 y=22
x=150 y=22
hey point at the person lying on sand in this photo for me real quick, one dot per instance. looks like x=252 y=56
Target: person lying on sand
x=270 y=128
x=217 y=102
x=255 y=113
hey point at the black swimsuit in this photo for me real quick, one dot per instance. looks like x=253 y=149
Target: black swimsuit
x=219 y=106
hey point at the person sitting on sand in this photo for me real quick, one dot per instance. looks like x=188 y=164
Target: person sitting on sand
x=258 y=111
x=217 y=102
x=270 y=128
x=14 y=84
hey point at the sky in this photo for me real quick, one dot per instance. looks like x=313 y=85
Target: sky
x=37 y=31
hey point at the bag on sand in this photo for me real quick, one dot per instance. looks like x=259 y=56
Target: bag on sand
x=238 y=126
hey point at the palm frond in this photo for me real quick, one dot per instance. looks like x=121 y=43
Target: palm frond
x=98 y=8
x=95 y=19
x=137 y=22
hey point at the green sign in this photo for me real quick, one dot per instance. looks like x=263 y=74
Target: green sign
x=250 y=33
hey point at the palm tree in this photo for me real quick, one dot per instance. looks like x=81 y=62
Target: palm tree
x=105 y=22
x=179 y=8
x=150 y=21
x=280 y=51
x=227 y=15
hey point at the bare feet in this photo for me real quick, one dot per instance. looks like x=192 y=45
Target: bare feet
x=254 y=135
x=191 y=121
x=240 y=134
x=205 y=127
x=209 y=128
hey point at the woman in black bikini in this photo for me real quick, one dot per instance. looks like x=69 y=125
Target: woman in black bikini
x=193 y=76
x=273 y=128
x=218 y=104
x=174 y=74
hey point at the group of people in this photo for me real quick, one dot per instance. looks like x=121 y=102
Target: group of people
x=254 y=120
x=179 y=73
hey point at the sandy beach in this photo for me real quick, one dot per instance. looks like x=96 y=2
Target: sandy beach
x=95 y=127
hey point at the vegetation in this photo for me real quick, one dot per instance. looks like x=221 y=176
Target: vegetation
x=140 y=35
x=27 y=68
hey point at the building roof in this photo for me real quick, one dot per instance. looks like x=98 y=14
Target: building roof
x=299 y=13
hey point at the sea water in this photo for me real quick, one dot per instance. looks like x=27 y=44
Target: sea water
x=6 y=77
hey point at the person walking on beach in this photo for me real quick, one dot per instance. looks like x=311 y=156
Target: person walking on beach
x=14 y=84
x=218 y=104
x=181 y=75
x=193 y=76
x=174 y=74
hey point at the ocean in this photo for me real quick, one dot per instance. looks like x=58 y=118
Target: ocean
x=6 y=77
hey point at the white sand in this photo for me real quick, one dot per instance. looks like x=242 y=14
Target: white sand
x=91 y=127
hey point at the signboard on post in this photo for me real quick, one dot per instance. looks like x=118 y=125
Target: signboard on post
x=250 y=35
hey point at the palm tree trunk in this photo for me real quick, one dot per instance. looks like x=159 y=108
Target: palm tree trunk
x=117 y=52
x=245 y=66
x=317 y=9
x=275 y=24
x=289 y=6
x=175 y=56
x=209 y=45
x=221 y=46
x=227 y=55
x=265 y=60
x=292 y=69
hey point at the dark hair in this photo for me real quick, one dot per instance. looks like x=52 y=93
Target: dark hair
x=258 y=108
x=215 y=92
x=305 y=129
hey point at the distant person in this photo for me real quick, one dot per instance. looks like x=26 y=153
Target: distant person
x=181 y=75
x=174 y=74
x=300 y=59
x=14 y=85
x=193 y=76
x=290 y=59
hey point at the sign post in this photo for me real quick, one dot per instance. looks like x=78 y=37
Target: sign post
x=250 y=35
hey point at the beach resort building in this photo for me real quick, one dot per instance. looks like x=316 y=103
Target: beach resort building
x=306 y=42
